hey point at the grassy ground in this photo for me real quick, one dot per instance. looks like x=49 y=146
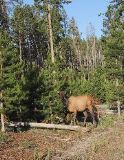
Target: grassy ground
x=106 y=142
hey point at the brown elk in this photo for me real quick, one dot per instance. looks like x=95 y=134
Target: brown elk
x=84 y=103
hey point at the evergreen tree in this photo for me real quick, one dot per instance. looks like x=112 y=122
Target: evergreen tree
x=3 y=33
x=113 y=45
x=11 y=82
x=29 y=36
x=76 y=42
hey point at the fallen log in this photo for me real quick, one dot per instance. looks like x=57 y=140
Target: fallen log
x=108 y=111
x=50 y=126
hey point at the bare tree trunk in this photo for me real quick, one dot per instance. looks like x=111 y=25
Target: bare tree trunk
x=21 y=60
x=118 y=102
x=20 y=49
x=1 y=97
x=50 y=31
x=87 y=60
x=79 y=55
x=2 y=115
x=94 y=53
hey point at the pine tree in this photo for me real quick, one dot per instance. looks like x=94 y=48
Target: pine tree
x=3 y=33
x=76 y=42
x=29 y=35
x=11 y=82
x=113 y=42
x=53 y=17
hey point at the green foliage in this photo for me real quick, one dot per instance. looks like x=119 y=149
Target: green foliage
x=53 y=82
x=113 y=44
x=97 y=87
x=12 y=82
x=34 y=88
x=29 y=34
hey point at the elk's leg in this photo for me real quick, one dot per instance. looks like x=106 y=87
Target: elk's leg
x=93 y=115
x=97 y=116
x=74 y=118
x=85 y=117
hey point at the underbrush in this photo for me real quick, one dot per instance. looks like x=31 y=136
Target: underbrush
x=110 y=120
x=107 y=121
x=3 y=137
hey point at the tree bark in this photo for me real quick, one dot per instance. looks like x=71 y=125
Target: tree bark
x=50 y=31
x=2 y=118
x=20 y=48
x=1 y=97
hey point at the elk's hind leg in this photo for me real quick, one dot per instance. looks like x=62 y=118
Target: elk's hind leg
x=92 y=115
x=85 y=117
x=97 y=114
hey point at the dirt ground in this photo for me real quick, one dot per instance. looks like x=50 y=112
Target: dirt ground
x=102 y=144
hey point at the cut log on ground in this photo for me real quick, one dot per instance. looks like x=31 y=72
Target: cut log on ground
x=110 y=111
x=107 y=111
x=50 y=126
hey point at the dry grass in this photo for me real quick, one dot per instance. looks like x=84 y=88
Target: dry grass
x=110 y=147
x=104 y=143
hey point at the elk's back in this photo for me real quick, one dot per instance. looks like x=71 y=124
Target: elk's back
x=79 y=103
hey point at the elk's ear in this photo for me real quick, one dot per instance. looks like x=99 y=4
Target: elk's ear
x=61 y=93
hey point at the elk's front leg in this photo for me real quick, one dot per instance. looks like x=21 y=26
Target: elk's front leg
x=74 y=118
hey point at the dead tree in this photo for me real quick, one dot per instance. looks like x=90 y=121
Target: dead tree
x=50 y=30
x=1 y=98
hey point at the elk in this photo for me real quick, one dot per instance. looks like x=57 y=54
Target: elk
x=83 y=103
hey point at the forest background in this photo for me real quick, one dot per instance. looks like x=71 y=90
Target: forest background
x=42 y=53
